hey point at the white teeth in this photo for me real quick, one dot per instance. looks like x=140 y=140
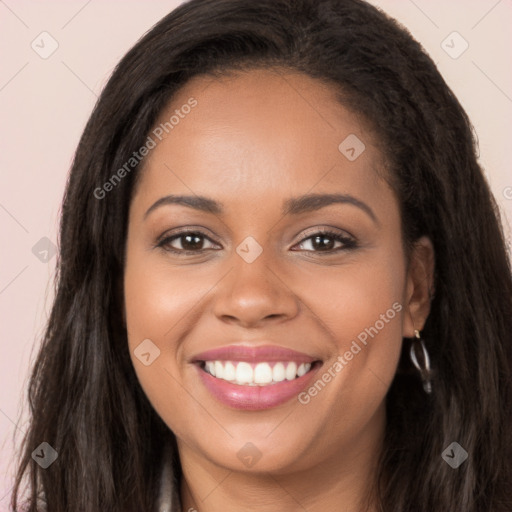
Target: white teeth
x=301 y=370
x=291 y=371
x=219 y=370
x=210 y=367
x=229 y=371
x=278 y=372
x=244 y=373
x=260 y=374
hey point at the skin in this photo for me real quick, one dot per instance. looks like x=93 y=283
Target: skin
x=254 y=140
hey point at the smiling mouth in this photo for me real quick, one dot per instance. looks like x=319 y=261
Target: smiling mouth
x=269 y=373
x=255 y=377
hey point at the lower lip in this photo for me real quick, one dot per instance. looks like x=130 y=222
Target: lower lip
x=255 y=397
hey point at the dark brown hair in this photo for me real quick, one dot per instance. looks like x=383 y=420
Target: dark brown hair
x=84 y=396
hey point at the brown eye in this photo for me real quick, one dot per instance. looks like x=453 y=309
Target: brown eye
x=186 y=242
x=325 y=241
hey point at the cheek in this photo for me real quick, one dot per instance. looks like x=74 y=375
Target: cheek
x=157 y=301
x=161 y=299
x=360 y=306
x=351 y=297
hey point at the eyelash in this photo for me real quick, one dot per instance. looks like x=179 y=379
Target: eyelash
x=348 y=242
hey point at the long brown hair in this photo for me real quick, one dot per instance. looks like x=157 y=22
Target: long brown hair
x=84 y=397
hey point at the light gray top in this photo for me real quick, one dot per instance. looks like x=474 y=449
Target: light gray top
x=169 y=498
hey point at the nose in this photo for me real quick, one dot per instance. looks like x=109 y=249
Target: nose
x=254 y=294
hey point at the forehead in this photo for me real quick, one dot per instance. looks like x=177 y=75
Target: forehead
x=260 y=133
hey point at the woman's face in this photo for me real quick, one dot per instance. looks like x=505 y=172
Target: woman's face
x=252 y=291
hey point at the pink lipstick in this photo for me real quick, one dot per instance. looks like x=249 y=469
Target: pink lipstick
x=255 y=378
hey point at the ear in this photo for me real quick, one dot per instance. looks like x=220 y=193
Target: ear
x=419 y=288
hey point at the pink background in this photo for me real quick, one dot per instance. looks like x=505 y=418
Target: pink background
x=45 y=103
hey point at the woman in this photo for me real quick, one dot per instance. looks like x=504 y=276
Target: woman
x=282 y=284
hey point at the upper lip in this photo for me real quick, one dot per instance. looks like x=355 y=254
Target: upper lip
x=253 y=354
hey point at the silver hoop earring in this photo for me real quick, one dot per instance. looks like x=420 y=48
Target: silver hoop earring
x=424 y=369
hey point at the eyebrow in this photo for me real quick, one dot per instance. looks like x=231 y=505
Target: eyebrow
x=292 y=206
